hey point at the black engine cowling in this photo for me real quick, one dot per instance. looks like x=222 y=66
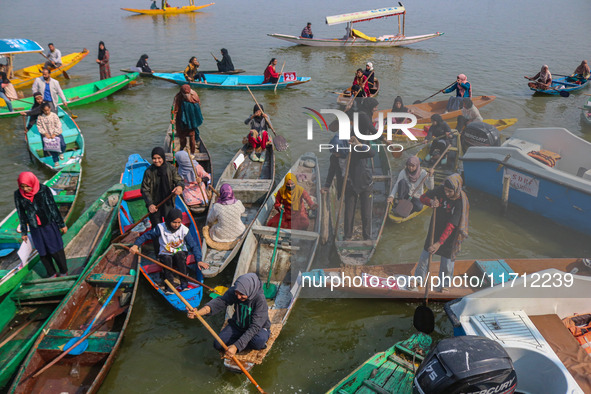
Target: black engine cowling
x=467 y=364
x=480 y=134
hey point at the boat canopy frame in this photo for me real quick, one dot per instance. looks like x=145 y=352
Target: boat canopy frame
x=11 y=46
x=363 y=16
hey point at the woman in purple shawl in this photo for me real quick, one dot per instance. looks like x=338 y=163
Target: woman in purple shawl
x=225 y=217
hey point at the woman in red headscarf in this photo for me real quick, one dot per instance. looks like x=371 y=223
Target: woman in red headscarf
x=39 y=214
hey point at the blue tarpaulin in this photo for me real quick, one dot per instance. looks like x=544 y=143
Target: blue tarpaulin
x=18 y=45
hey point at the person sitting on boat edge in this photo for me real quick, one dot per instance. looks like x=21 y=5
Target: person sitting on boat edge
x=307 y=31
x=142 y=64
x=195 y=191
x=39 y=214
x=187 y=117
x=470 y=113
x=542 y=80
x=271 y=75
x=153 y=6
x=50 y=89
x=35 y=110
x=581 y=74
x=450 y=226
x=175 y=242
x=49 y=127
x=361 y=81
x=462 y=88
x=225 y=217
x=258 y=138
x=370 y=74
x=249 y=327
x=290 y=199
x=54 y=57
x=407 y=184
x=192 y=73
x=225 y=64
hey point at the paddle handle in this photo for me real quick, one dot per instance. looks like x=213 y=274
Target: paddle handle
x=213 y=190
x=170 y=269
x=215 y=58
x=280 y=73
x=432 y=241
x=100 y=312
x=275 y=247
x=15 y=333
x=119 y=238
x=436 y=93
x=434 y=165
x=213 y=333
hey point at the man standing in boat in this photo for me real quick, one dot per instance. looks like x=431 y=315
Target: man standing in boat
x=249 y=327
x=307 y=31
x=54 y=57
x=50 y=89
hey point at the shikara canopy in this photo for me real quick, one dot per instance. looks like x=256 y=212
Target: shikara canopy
x=365 y=15
x=18 y=45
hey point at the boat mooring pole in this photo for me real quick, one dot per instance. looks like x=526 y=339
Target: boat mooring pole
x=505 y=195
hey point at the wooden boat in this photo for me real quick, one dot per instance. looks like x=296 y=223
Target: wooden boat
x=232 y=82
x=526 y=320
x=449 y=165
x=562 y=84
x=391 y=281
x=586 y=114
x=84 y=373
x=398 y=219
x=345 y=97
x=152 y=272
x=65 y=184
x=74 y=143
x=78 y=95
x=171 y=146
x=252 y=182
x=26 y=76
x=168 y=10
x=150 y=75
x=355 y=38
x=133 y=206
x=558 y=188
x=356 y=250
x=424 y=111
x=295 y=253
x=390 y=371
x=28 y=306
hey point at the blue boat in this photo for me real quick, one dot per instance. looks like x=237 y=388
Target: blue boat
x=232 y=82
x=549 y=171
x=562 y=84
x=133 y=208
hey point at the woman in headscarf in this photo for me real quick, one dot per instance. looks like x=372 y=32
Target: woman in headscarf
x=39 y=214
x=582 y=73
x=470 y=113
x=186 y=115
x=290 y=198
x=361 y=80
x=49 y=127
x=143 y=64
x=407 y=184
x=225 y=217
x=192 y=73
x=225 y=64
x=541 y=80
x=258 y=138
x=370 y=74
x=462 y=88
x=450 y=226
x=195 y=191
x=160 y=180
x=175 y=242
x=103 y=61
x=398 y=106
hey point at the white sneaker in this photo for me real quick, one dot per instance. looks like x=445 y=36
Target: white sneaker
x=62 y=156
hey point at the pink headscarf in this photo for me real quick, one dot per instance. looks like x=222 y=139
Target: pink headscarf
x=463 y=79
x=413 y=176
x=29 y=179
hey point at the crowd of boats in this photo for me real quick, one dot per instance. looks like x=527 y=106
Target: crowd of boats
x=524 y=316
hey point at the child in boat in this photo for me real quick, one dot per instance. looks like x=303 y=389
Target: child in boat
x=450 y=226
x=290 y=199
x=408 y=181
x=258 y=138
x=175 y=242
x=249 y=327
x=225 y=217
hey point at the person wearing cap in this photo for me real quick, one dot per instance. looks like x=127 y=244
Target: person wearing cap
x=54 y=57
x=370 y=75
x=307 y=31
x=249 y=326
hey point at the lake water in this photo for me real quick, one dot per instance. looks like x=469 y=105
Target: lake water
x=495 y=43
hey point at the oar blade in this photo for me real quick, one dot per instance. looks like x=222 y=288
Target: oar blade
x=564 y=94
x=81 y=348
x=280 y=143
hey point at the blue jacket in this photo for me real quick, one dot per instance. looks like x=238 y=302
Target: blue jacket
x=154 y=233
x=453 y=87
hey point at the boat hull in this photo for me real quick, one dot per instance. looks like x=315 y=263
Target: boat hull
x=561 y=85
x=168 y=11
x=232 y=82
x=26 y=76
x=354 y=42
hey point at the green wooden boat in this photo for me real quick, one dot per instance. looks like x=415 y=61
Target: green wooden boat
x=27 y=307
x=65 y=185
x=78 y=95
x=391 y=371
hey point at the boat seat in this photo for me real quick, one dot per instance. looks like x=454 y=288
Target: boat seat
x=98 y=342
x=132 y=194
x=249 y=184
x=499 y=270
x=110 y=280
x=64 y=199
x=272 y=231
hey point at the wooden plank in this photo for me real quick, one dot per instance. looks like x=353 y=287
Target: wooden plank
x=43 y=290
x=266 y=230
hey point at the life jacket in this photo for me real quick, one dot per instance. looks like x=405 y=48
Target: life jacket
x=545 y=156
x=580 y=327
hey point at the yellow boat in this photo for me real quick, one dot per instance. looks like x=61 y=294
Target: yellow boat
x=500 y=124
x=398 y=219
x=168 y=10
x=26 y=76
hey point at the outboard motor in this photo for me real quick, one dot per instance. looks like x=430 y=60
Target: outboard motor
x=467 y=364
x=480 y=134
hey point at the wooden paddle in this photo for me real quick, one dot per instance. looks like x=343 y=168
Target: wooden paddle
x=16 y=332
x=219 y=290
x=280 y=73
x=432 y=241
x=434 y=94
x=279 y=141
x=215 y=58
x=213 y=333
x=58 y=68
x=119 y=238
